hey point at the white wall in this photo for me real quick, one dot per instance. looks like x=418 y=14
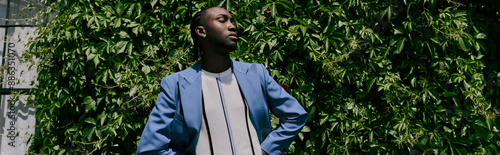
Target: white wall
x=17 y=123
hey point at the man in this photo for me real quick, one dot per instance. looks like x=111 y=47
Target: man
x=220 y=106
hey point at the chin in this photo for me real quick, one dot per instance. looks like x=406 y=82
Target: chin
x=232 y=47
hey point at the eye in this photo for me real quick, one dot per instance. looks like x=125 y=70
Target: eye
x=221 y=19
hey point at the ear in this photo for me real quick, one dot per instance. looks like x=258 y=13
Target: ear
x=200 y=31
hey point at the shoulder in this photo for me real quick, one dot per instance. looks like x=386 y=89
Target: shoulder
x=239 y=64
x=248 y=67
x=188 y=74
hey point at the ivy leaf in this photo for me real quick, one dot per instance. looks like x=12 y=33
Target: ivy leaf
x=371 y=81
x=91 y=120
x=462 y=44
x=153 y=3
x=400 y=45
x=89 y=103
x=133 y=91
x=399 y=30
x=121 y=46
x=449 y=94
x=481 y=36
x=124 y=34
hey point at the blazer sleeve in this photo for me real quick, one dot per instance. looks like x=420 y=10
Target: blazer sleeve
x=156 y=136
x=292 y=116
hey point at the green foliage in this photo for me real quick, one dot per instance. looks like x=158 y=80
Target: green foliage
x=382 y=76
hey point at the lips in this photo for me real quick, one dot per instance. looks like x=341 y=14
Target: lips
x=233 y=36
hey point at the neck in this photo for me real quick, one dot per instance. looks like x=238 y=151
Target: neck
x=215 y=63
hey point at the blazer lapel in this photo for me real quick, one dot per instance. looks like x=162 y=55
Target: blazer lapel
x=250 y=86
x=245 y=83
x=190 y=94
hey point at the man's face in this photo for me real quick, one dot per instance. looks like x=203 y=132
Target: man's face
x=220 y=29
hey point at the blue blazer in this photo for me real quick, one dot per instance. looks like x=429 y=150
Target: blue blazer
x=174 y=123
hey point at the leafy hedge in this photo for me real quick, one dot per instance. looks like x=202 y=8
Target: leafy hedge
x=381 y=76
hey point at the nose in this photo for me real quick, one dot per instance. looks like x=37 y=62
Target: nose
x=232 y=27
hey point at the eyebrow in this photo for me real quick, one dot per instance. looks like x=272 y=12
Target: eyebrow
x=223 y=15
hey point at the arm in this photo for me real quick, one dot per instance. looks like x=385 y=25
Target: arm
x=291 y=114
x=156 y=136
